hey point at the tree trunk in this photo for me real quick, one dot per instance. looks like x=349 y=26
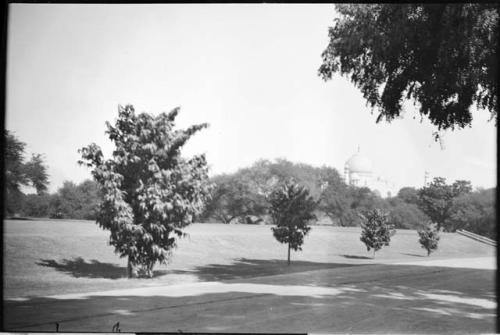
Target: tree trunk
x=288 y=253
x=373 y=253
x=131 y=270
x=150 y=270
x=428 y=252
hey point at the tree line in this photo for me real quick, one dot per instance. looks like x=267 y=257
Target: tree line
x=241 y=197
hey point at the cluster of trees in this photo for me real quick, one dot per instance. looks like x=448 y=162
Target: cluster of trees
x=241 y=198
x=71 y=201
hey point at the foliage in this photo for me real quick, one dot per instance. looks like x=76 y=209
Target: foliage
x=336 y=205
x=19 y=173
x=150 y=192
x=36 y=171
x=409 y=195
x=37 y=205
x=241 y=196
x=76 y=201
x=429 y=238
x=403 y=215
x=442 y=56
x=232 y=198
x=291 y=209
x=436 y=200
x=475 y=212
x=376 y=230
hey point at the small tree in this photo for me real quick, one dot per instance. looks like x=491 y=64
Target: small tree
x=291 y=209
x=429 y=238
x=376 y=231
x=150 y=192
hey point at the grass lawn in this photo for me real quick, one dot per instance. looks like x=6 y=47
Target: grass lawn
x=58 y=256
x=234 y=278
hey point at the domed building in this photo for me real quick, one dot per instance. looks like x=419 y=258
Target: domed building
x=358 y=171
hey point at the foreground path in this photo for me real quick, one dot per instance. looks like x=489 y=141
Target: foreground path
x=402 y=298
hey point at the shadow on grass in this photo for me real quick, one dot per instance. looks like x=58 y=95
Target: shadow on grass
x=79 y=268
x=243 y=268
x=356 y=257
x=415 y=255
x=401 y=295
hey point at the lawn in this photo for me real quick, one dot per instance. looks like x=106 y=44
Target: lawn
x=58 y=256
x=234 y=278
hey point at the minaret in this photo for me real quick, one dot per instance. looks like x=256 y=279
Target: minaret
x=426 y=176
x=346 y=174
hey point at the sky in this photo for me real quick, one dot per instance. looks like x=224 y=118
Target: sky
x=250 y=71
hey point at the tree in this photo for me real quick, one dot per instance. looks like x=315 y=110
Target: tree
x=376 y=232
x=409 y=195
x=336 y=205
x=475 y=212
x=74 y=201
x=36 y=171
x=37 y=205
x=442 y=56
x=18 y=173
x=403 y=215
x=429 y=238
x=291 y=209
x=232 y=198
x=150 y=192
x=436 y=200
x=242 y=195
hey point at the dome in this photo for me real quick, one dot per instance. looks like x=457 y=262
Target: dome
x=359 y=163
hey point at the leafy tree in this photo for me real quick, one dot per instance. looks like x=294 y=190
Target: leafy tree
x=37 y=205
x=376 y=231
x=403 y=215
x=19 y=173
x=74 y=201
x=150 y=192
x=475 y=212
x=232 y=198
x=36 y=171
x=429 y=238
x=443 y=56
x=436 y=200
x=364 y=199
x=336 y=205
x=291 y=209
x=409 y=195
x=242 y=195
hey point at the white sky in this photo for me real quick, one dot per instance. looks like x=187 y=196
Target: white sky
x=250 y=71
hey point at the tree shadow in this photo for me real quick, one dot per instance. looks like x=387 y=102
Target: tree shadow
x=244 y=268
x=415 y=255
x=79 y=268
x=446 y=304
x=356 y=257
